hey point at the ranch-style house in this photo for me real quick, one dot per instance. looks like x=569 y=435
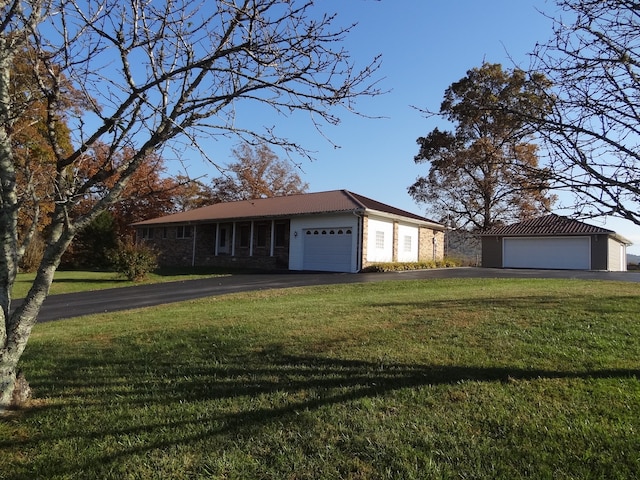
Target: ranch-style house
x=335 y=231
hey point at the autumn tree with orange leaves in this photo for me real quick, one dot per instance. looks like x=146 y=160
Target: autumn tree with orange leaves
x=149 y=193
x=257 y=173
x=31 y=140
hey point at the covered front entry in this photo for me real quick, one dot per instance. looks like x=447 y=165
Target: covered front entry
x=563 y=253
x=328 y=249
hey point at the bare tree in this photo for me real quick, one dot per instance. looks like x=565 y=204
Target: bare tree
x=593 y=133
x=150 y=74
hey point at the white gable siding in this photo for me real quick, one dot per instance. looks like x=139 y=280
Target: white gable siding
x=300 y=225
x=407 y=243
x=380 y=240
x=617 y=256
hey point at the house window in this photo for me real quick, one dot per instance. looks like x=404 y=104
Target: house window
x=279 y=234
x=184 y=231
x=380 y=239
x=245 y=233
x=262 y=232
x=407 y=243
x=223 y=237
x=146 y=232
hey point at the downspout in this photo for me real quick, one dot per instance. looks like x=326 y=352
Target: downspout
x=359 y=233
x=193 y=247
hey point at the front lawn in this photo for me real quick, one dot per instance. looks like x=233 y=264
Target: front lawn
x=69 y=281
x=392 y=380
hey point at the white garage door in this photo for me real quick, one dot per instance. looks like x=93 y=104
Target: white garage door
x=328 y=249
x=568 y=253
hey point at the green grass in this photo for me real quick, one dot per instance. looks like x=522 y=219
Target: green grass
x=410 y=380
x=83 y=281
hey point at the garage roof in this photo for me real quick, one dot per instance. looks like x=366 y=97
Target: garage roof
x=334 y=201
x=551 y=225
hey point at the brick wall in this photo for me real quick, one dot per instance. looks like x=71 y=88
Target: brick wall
x=179 y=252
x=395 y=242
x=428 y=250
x=172 y=251
x=363 y=248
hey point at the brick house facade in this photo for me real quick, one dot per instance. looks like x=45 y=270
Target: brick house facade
x=327 y=231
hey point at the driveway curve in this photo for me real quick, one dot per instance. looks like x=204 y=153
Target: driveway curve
x=57 y=307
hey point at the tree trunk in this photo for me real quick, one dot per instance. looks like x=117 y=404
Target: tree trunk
x=15 y=391
x=8 y=227
x=7 y=384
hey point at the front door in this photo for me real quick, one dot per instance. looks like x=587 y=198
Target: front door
x=224 y=240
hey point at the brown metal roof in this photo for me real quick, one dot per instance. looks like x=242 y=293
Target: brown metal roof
x=334 y=201
x=548 y=225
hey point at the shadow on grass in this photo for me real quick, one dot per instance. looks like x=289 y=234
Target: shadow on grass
x=619 y=304
x=215 y=387
x=193 y=394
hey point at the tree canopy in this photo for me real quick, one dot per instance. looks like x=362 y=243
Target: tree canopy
x=257 y=173
x=147 y=76
x=593 y=132
x=485 y=172
x=31 y=133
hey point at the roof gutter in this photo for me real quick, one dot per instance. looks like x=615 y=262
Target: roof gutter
x=433 y=225
x=621 y=239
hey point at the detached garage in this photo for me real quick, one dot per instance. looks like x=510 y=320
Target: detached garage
x=554 y=242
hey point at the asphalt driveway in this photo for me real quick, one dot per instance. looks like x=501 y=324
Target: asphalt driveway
x=57 y=307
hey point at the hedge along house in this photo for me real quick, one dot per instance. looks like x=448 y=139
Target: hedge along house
x=554 y=242
x=336 y=231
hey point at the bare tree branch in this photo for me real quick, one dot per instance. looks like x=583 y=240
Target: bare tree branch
x=143 y=75
x=593 y=133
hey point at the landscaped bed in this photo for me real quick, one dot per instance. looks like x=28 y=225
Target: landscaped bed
x=413 y=379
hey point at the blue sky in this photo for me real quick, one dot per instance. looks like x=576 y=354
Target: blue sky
x=425 y=45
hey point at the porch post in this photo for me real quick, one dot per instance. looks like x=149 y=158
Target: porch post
x=193 y=246
x=273 y=236
x=233 y=240
x=217 y=240
x=251 y=239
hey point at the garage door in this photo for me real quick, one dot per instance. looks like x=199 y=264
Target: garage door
x=328 y=249
x=568 y=253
